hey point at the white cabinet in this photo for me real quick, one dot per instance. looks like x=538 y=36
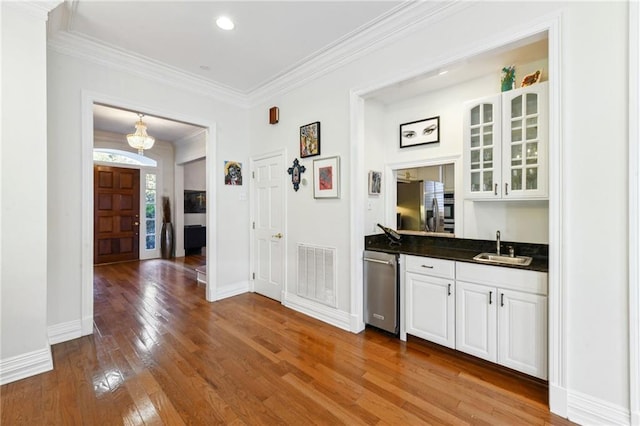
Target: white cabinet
x=430 y=299
x=476 y=320
x=505 y=145
x=501 y=316
x=522 y=332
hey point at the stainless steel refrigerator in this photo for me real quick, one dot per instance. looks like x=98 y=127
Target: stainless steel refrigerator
x=420 y=206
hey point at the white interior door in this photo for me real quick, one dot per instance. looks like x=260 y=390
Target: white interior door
x=268 y=226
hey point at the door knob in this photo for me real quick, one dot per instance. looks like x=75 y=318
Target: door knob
x=278 y=235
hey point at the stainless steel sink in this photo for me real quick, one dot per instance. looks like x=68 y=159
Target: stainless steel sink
x=503 y=260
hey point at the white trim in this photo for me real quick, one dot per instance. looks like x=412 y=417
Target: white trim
x=634 y=212
x=25 y=365
x=88 y=99
x=558 y=303
x=211 y=174
x=318 y=311
x=231 y=290
x=587 y=410
x=86 y=267
x=392 y=26
x=557 y=299
x=36 y=9
x=358 y=191
x=116 y=58
x=65 y=331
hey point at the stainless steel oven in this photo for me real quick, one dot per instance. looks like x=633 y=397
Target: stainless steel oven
x=449 y=212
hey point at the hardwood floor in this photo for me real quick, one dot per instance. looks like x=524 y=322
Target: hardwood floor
x=161 y=354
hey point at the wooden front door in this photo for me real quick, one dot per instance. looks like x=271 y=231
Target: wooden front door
x=116 y=214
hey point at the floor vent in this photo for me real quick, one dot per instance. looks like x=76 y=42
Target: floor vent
x=317 y=274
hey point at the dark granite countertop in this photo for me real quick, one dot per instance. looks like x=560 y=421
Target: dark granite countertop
x=458 y=249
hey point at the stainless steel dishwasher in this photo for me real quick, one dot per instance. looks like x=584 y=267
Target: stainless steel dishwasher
x=381 y=302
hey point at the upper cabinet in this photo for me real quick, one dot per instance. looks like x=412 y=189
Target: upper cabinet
x=505 y=145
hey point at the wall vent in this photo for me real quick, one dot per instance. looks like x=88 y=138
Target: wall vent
x=317 y=274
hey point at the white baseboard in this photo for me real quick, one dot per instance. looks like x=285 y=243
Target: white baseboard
x=356 y=324
x=87 y=326
x=65 y=331
x=587 y=410
x=232 y=290
x=558 y=400
x=318 y=311
x=25 y=365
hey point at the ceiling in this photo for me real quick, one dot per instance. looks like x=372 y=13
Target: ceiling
x=271 y=40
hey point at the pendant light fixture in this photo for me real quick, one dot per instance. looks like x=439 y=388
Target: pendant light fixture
x=140 y=140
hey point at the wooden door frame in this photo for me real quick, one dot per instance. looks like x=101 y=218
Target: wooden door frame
x=252 y=204
x=161 y=110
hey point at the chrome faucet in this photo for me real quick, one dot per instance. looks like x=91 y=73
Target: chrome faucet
x=498 y=243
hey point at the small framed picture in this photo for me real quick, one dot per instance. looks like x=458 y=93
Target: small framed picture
x=232 y=173
x=375 y=182
x=326 y=177
x=310 y=140
x=420 y=132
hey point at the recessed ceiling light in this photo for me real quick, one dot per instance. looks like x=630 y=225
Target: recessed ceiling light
x=225 y=23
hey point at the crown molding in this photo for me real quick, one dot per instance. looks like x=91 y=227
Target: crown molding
x=101 y=53
x=398 y=23
x=36 y=9
x=392 y=26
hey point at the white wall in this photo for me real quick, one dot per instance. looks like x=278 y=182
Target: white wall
x=593 y=91
x=23 y=170
x=594 y=39
x=68 y=79
x=524 y=222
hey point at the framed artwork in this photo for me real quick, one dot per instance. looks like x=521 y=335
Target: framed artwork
x=310 y=140
x=326 y=177
x=232 y=173
x=375 y=182
x=420 y=132
x=195 y=201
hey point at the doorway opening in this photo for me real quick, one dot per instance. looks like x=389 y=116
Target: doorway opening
x=108 y=131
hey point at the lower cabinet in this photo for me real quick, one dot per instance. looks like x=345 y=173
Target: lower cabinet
x=495 y=313
x=503 y=326
x=431 y=299
x=431 y=309
x=502 y=316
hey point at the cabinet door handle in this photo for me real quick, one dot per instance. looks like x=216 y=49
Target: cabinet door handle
x=448 y=289
x=501 y=299
x=490 y=294
x=506 y=188
x=495 y=189
x=427 y=266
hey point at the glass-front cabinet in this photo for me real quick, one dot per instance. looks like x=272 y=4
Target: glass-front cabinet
x=505 y=145
x=482 y=153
